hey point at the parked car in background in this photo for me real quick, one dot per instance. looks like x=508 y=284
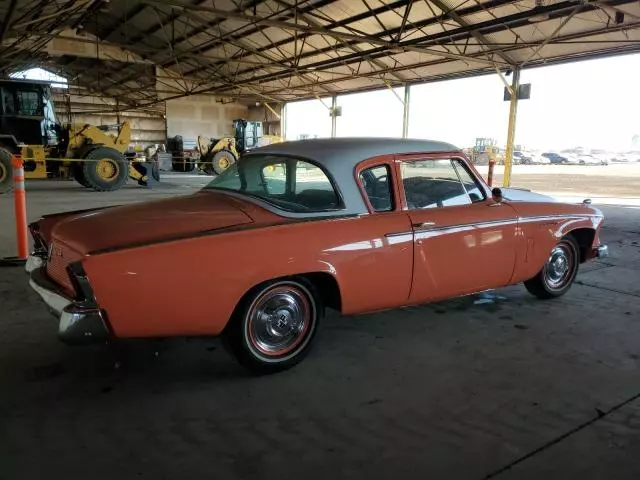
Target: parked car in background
x=603 y=156
x=538 y=159
x=523 y=158
x=535 y=158
x=357 y=225
x=586 y=159
x=555 y=158
x=620 y=158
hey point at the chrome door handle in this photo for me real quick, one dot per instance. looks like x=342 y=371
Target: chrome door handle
x=423 y=224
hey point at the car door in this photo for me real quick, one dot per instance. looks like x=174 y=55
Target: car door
x=464 y=241
x=381 y=261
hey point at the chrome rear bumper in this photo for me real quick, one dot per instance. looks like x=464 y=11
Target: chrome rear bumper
x=79 y=321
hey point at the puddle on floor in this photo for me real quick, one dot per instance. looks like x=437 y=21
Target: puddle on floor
x=487 y=298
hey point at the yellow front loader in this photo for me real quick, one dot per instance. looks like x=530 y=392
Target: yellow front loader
x=94 y=156
x=217 y=155
x=485 y=151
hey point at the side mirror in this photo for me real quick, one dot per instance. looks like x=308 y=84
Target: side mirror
x=496 y=194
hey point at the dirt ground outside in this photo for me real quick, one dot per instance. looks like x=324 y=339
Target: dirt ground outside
x=615 y=180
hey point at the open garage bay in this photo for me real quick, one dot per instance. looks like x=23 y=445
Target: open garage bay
x=492 y=386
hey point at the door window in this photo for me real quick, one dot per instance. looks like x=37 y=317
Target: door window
x=377 y=186
x=275 y=178
x=432 y=184
x=28 y=102
x=476 y=194
x=8 y=102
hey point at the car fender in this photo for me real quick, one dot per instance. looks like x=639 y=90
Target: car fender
x=192 y=286
x=541 y=226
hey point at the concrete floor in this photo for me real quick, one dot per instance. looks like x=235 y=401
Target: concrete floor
x=508 y=388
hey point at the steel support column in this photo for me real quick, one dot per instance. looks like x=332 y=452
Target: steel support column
x=405 y=112
x=283 y=122
x=511 y=132
x=334 y=106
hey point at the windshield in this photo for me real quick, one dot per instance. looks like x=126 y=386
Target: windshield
x=289 y=183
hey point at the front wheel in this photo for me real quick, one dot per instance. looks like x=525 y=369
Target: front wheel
x=222 y=160
x=275 y=324
x=105 y=169
x=559 y=271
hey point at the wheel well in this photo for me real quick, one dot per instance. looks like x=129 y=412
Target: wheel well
x=584 y=237
x=327 y=287
x=325 y=283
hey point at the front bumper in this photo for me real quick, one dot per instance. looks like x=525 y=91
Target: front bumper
x=601 y=251
x=79 y=321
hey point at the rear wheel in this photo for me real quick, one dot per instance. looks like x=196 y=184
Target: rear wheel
x=222 y=160
x=6 y=183
x=78 y=174
x=559 y=271
x=274 y=326
x=106 y=169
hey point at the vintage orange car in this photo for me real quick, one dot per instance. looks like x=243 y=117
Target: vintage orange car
x=357 y=225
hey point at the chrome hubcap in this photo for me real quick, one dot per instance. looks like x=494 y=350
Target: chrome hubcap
x=279 y=320
x=558 y=267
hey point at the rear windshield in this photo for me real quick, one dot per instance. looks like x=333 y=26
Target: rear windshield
x=289 y=183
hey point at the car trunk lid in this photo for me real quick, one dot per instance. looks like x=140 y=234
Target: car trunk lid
x=140 y=224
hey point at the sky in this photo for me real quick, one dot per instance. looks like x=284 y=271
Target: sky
x=591 y=104
x=40 y=74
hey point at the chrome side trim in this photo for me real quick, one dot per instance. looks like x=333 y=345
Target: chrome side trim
x=542 y=218
x=422 y=233
x=491 y=223
x=432 y=232
x=397 y=234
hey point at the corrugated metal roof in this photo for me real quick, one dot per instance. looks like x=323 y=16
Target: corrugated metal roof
x=281 y=49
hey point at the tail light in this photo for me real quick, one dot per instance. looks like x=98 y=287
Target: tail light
x=39 y=244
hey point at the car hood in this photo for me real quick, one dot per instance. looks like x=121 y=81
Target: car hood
x=523 y=195
x=142 y=223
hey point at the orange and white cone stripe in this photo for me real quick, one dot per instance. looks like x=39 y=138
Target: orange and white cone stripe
x=20 y=207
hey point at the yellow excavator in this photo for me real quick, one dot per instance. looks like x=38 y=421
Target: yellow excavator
x=93 y=156
x=216 y=155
